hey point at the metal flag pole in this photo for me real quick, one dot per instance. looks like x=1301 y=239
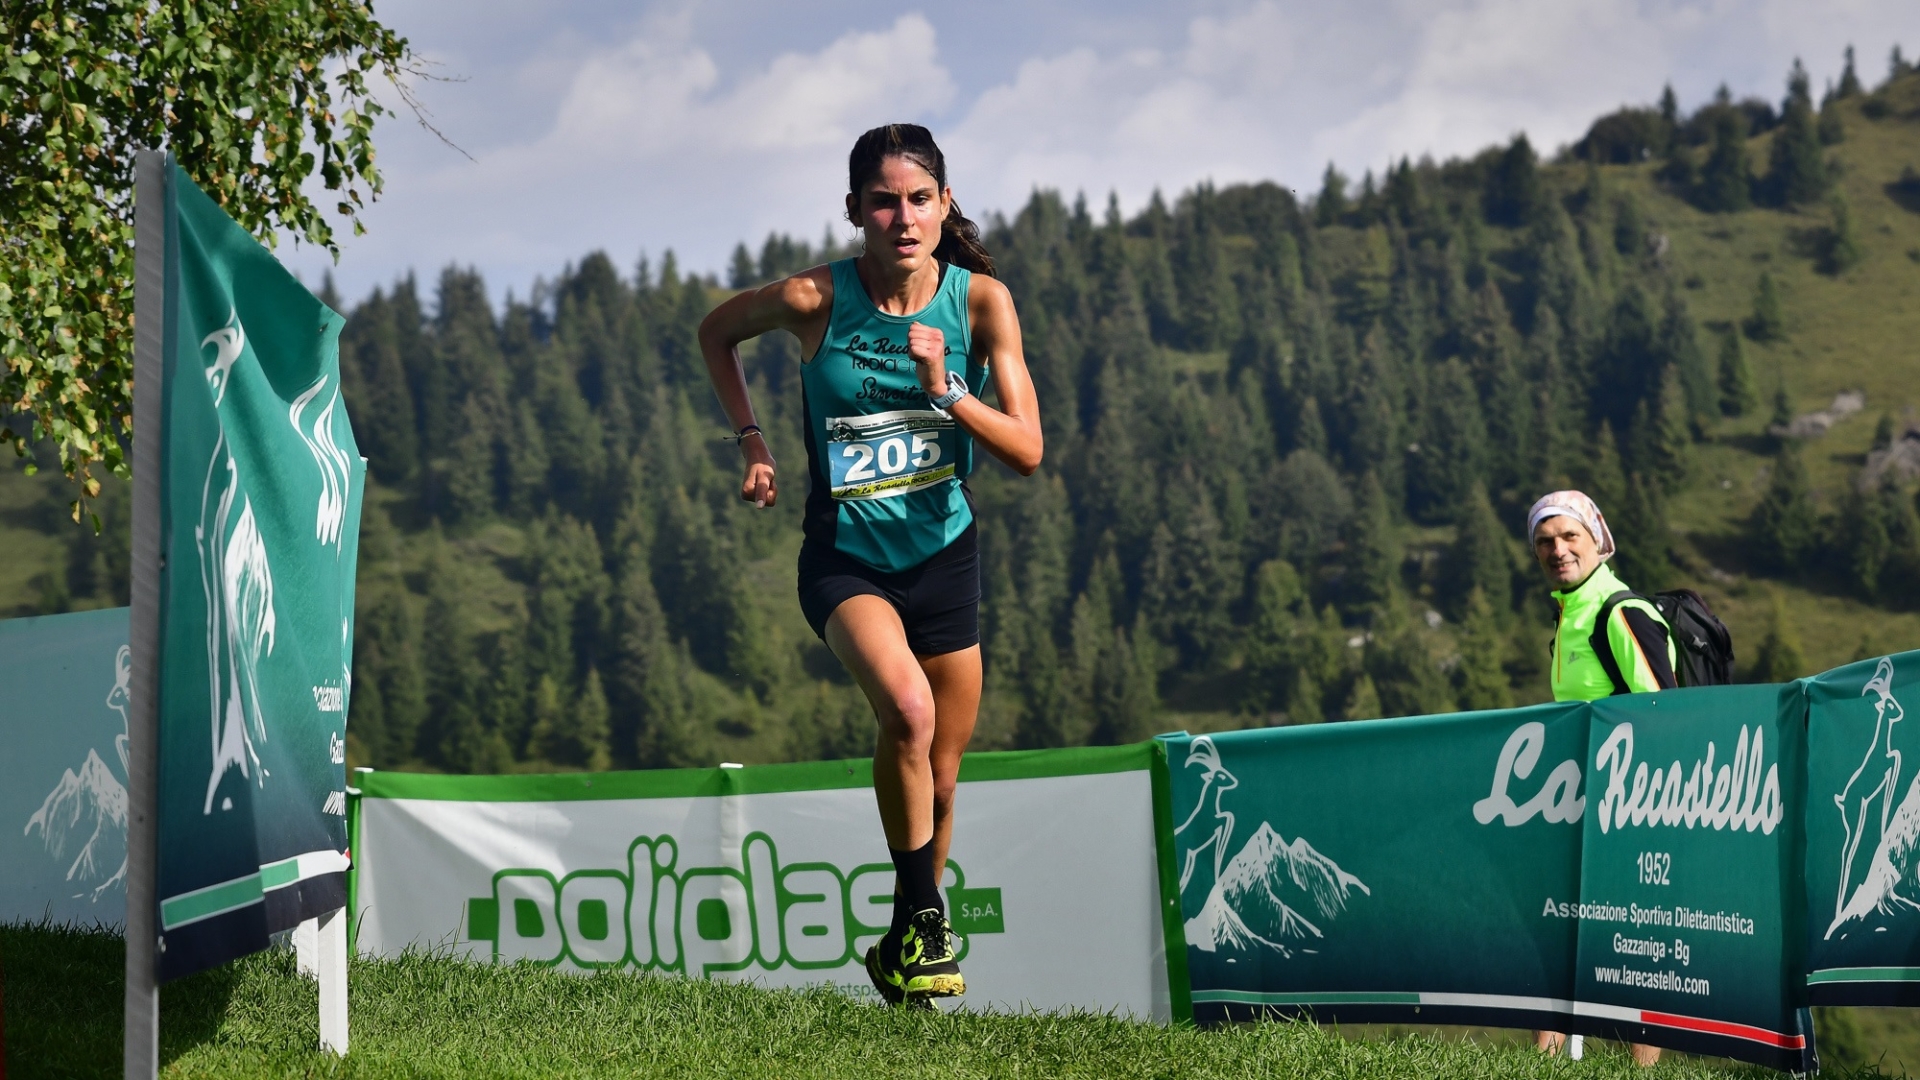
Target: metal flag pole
x=142 y=1053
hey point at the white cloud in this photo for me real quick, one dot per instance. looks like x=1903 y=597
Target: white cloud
x=1486 y=70
x=1246 y=96
x=649 y=148
x=641 y=138
x=1270 y=93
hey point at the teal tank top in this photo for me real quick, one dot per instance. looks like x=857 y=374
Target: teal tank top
x=885 y=469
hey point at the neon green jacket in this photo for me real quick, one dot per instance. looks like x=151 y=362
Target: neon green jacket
x=1578 y=674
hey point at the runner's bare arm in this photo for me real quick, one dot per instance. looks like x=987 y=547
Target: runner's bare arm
x=1012 y=431
x=799 y=304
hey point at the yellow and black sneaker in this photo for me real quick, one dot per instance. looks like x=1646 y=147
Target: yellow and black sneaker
x=921 y=968
x=927 y=967
x=890 y=983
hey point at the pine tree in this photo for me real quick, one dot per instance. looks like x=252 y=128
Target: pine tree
x=387 y=640
x=587 y=737
x=1883 y=430
x=646 y=681
x=1680 y=171
x=467 y=474
x=1479 y=561
x=1273 y=665
x=1842 y=242
x=1481 y=676
x=836 y=724
x=1778 y=659
x=1832 y=129
x=1331 y=206
x=1678 y=342
x=546 y=734
x=505 y=700
x=1512 y=194
x=1208 y=299
x=1629 y=226
x=1735 y=377
x=1779 y=424
x=1452 y=454
x=1371 y=562
x=1405 y=196
x=379 y=400
x=1785 y=525
x=1797 y=172
x=1669 y=442
x=1606 y=476
x=1124 y=694
x=456 y=735
x=1310 y=431
x=740 y=274
x=1401 y=663
x=1768 y=322
x=1627 y=367
x=1726 y=180
x=1669 y=114
x=1641 y=532
x=1849 y=79
x=1866 y=541
x=1363 y=701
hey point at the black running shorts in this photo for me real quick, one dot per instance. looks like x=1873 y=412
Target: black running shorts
x=939 y=600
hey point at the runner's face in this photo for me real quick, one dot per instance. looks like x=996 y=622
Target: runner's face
x=900 y=211
x=1566 y=550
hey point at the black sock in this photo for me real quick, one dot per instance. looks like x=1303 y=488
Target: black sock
x=915 y=879
x=901 y=916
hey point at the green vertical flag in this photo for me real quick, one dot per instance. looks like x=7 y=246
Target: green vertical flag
x=260 y=518
x=1863 y=829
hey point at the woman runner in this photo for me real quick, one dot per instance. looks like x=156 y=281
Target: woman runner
x=899 y=343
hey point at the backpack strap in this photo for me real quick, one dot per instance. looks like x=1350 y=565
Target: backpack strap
x=1603 y=645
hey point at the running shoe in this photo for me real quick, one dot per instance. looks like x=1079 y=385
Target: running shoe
x=921 y=967
x=927 y=965
x=889 y=983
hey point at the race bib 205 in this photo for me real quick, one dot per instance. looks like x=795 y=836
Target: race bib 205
x=891 y=453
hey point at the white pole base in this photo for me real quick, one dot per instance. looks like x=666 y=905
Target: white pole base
x=320 y=952
x=306 y=948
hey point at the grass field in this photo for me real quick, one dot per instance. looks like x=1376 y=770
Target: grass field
x=434 y=1017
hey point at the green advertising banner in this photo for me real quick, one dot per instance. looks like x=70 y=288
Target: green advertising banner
x=1863 y=825
x=63 y=736
x=1689 y=918
x=1523 y=868
x=261 y=484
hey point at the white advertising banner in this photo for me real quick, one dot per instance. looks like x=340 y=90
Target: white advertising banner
x=775 y=874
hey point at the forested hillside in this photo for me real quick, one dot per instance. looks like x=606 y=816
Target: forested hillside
x=1290 y=445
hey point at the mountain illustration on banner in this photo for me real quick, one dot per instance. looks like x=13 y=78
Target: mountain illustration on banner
x=1257 y=898
x=83 y=820
x=1886 y=885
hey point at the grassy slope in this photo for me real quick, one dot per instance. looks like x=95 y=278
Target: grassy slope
x=1846 y=332
x=420 y=1017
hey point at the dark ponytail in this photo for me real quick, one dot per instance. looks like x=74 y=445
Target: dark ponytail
x=959 y=237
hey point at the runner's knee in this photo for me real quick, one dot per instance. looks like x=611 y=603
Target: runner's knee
x=943 y=788
x=907 y=718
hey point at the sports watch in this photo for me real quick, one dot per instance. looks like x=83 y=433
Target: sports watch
x=956 y=389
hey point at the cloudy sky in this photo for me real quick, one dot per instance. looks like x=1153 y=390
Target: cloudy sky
x=639 y=127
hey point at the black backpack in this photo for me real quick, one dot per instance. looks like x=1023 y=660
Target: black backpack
x=1703 y=649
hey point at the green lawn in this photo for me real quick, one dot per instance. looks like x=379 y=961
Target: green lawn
x=423 y=1016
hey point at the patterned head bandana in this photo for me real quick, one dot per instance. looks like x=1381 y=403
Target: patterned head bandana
x=1576 y=505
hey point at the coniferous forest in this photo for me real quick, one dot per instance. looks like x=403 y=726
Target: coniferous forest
x=1291 y=440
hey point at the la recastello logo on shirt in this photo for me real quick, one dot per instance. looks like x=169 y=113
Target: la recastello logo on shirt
x=881 y=354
